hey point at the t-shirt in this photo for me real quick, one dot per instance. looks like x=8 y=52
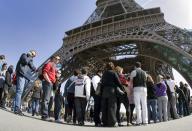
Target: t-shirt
x=50 y=69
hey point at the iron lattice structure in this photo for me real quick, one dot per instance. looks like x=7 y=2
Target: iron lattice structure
x=118 y=28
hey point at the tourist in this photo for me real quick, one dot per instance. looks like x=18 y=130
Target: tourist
x=151 y=100
x=2 y=61
x=181 y=100
x=49 y=74
x=139 y=77
x=69 y=96
x=7 y=86
x=162 y=99
x=122 y=98
x=24 y=70
x=186 y=91
x=2 y=80
x=109 y=83
x=82 y=95
x=131 y=99
x=96 y=83
x=172 y=109
x=36 y=96
x=59 y=99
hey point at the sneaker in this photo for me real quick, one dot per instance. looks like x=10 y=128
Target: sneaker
x=129 y=124
x=45 y=118
x=80 y=123
x=58 y=121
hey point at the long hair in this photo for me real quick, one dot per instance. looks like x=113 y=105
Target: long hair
x=159 y=78
x=119 y=69
x=110 y=66
x=150 y=79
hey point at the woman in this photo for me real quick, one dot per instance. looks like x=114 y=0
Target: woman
x=36 y=96
x=151 y=100
x=162 y=99
x=109 y=84
x=7 y=86
x=2 y=79
x=122 y=98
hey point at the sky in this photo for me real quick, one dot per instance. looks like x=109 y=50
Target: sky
x=41 y=24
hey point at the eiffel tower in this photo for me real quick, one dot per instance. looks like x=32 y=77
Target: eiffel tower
x=124 y=32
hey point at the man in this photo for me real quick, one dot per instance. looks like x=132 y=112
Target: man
x=97 y=98
x=138 y=78
x=82 y=95
x=24 y=70
x=172 y=98
x=69 y=95
x=49 y=78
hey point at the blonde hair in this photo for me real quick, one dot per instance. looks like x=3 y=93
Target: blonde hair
x=119 y=69
x=150 y=79
x=37 y=84
x=159 y=78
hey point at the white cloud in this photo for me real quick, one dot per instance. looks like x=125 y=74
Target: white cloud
x=177 y=12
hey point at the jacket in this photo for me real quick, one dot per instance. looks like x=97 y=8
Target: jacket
x=25 y=66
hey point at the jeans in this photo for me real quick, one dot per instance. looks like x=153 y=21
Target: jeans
x=172 y=109
x=140 y=98
x=152 y=109
x=183 y=108
x=50 y=105
x=35 y=106
x=19 y=91
x=162 y=106
x=47 y=88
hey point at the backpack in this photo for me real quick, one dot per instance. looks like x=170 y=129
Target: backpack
x=98 y=90
x=14 y=79
x=92 y=90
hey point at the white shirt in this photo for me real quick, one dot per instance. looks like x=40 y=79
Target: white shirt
x=171 y=85
x=95 y=80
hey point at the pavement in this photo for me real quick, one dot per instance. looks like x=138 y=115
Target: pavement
x=11 y=122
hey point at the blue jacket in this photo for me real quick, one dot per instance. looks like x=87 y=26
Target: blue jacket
x=25 y=66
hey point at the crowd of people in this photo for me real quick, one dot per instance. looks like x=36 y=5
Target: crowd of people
x=154 y=101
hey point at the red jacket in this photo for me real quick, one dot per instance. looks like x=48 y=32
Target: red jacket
x=50 y=69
